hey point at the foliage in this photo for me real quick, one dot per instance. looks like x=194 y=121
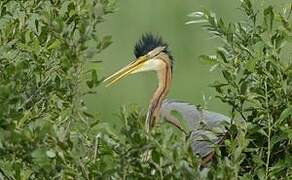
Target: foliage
x=44 y=127
x=257 y=85
x=121 y=154
x=47 y=133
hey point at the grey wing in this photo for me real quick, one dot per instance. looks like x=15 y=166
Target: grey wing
x=207 y=128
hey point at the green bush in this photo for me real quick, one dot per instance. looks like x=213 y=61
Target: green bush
x=121 y=154
x=254 y=61
x=44 y=127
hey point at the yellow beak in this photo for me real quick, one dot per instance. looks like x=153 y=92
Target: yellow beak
x=125 y=71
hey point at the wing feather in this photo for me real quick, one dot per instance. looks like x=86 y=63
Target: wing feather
x=207 y=128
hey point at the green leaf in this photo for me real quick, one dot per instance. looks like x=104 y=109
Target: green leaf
x=269 y=17
x=218 y=85
x=221 y=54
x=51 y=153
x=196 y=21
x=243 y=87
x=284 y=115
x=250 y=65
x=196 y=14
x=106 y=41
x=33 y=23
x=285 y=23
x=227 y=75
x=208 y=59
x=56 y=44
x=89 y=84
x=94 y=79
x=40 y=157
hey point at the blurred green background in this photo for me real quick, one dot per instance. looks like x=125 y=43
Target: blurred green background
x=166 y=18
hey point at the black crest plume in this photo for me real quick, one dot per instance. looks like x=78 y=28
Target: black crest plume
x=149 y=42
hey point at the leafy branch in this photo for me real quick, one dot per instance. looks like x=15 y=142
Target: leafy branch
x=256 y=84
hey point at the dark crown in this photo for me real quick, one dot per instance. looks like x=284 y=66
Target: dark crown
x=148 y=42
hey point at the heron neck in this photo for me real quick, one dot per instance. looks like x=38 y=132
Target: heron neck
x=164 y=76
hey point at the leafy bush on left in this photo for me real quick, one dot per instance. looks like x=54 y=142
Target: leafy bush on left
x=44 y=46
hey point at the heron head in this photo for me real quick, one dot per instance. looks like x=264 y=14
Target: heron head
x=150 y=51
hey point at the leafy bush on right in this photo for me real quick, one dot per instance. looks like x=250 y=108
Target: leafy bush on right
x=255 y=61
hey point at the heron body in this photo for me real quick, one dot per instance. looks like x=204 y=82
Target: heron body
x=206 y=128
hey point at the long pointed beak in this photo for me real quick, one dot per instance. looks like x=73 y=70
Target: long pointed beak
x=125 y=71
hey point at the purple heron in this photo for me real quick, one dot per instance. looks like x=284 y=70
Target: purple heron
x=205 y=128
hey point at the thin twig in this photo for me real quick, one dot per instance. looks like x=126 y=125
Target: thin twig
x=269 y=131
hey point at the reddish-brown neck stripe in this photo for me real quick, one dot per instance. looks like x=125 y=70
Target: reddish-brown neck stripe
x=164 y=78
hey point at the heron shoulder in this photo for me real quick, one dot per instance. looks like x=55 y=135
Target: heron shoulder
x=192 y=114
x=203 y=137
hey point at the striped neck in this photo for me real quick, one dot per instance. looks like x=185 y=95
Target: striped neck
x=164 y=75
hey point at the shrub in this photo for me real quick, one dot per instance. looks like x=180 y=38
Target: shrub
x=44 y=127
x=254 y=62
